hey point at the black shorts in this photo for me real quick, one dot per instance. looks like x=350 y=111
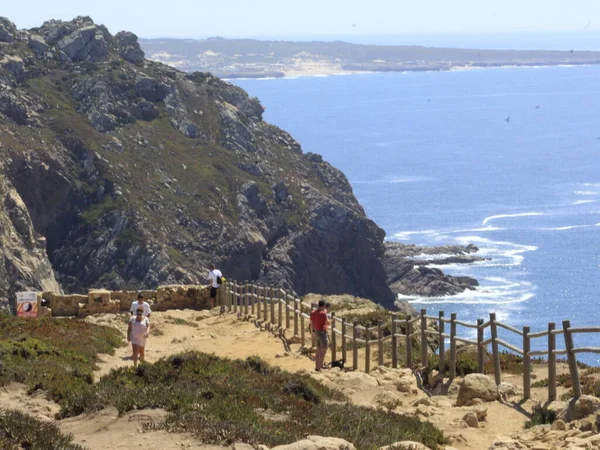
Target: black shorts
x=213 y=292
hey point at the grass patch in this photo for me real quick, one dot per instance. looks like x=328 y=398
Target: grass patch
x=220 y=401
x=541 y=417
x=56 y=355
x=21 y=431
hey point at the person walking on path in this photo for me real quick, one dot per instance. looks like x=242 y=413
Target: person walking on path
x=137 y=333
x=140 y=303
x=215 y=278
x=320 y=323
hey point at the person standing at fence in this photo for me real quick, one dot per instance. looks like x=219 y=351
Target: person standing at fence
x=137 y=333
x=140 y=303
x=320 y=323
x=215 y=278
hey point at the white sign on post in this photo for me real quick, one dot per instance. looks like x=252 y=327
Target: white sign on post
x=27 y=305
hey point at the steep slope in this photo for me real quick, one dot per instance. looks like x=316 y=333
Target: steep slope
x=138 y=174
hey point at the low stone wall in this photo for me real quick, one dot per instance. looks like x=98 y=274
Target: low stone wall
x=103 y=301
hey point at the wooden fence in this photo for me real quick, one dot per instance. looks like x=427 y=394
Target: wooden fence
x=280 y=311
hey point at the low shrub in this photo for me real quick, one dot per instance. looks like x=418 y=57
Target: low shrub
x=21 y=431
x=541 y=417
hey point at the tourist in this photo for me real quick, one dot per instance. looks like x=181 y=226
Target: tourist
x=137 y=333
x=320 y=323
x=215 y=278
x=140 y=303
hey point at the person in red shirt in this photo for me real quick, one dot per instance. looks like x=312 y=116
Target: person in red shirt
x=320 y=323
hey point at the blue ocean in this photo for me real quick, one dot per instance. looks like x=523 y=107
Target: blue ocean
x=507 y=159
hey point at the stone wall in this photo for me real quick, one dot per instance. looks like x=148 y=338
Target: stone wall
x=103 y=301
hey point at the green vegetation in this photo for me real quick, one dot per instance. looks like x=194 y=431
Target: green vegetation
x=466 y=363
x=56 y=355
x=20 y=431
x=590 y=383
x=225 y=401
x=541 y=417
x=179 y=321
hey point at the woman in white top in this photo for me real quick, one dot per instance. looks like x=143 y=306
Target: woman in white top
x=137 y=333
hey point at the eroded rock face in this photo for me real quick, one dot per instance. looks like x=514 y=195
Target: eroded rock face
x=139 y=175
x=7 y=30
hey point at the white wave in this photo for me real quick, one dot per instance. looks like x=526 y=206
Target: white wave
x=592 y=184
x=568 y=227
x=503 y=216
x=406 y=235
x=581 y=202
x=394 y=180
x=586 y=193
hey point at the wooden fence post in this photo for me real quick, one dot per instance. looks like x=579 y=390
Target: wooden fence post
x=367 y=351
x=355 y=345
x=302 y=325
x=495 y=352
x=526 y=363
x=408 y=342
x=442 y=344
x=272 y=306
x=295 y=317
x=236 y=297
x=258 y=301
x=394 y=342
x=424 y=346
x=280 y=309
x=551 y=362
x=452 y=368
x=287 y=311
x=253 y=291
x=572 y=359
x=344 y=350
x=333 y=338
x=480 y=349
x=246 y=297
x=380 y=343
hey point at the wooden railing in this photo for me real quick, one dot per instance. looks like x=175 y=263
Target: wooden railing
x=280 y=311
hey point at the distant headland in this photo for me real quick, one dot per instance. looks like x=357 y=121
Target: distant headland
x=250 y=58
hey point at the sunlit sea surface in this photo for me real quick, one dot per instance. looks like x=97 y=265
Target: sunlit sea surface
x=506 y=159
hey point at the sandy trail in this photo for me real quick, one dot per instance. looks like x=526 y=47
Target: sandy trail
x=227 y=336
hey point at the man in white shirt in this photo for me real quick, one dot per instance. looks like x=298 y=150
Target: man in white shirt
x=214 y=276
x=140 y=303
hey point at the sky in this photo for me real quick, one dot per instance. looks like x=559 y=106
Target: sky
x=264 y=18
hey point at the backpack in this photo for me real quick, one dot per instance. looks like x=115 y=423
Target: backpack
x=219 y=280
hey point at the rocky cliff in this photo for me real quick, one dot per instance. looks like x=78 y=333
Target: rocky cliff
x=119 y=172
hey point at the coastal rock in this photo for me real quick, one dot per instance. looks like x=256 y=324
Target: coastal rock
x=7 y=30
x=136 y=174
x=476 y=386
x=579 y=408
x=409 y=275
x=405 y=445
x=317 y=443
x=129 y=47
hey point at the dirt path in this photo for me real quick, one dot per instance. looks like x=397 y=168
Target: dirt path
x=227 y=336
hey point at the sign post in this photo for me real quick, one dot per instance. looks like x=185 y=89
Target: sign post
x=27 y=304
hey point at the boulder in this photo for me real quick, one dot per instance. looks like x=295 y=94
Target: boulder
x=88 y=43
x=476 y=386
x=581 y=407
x=318 y=443
x=7 y=30
x=15 y=66
x=471 y=419
x=405 y=445
x=507 y=390
x=38 y=44
x=129 y=48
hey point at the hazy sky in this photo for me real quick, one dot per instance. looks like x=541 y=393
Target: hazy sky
x=245 y=18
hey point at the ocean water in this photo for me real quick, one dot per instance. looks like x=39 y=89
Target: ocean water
x=506 y=159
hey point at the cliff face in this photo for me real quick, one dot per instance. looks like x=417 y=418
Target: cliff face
x=118 y=172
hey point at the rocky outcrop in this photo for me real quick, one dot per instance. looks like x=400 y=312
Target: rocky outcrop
x=317 y=443
x=139 y=175
x=7 y=30
x=476 y=386
x=408 y=274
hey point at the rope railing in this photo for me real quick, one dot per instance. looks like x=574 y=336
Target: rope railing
x=279 y=310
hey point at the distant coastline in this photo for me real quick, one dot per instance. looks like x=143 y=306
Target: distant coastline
x=248 y=58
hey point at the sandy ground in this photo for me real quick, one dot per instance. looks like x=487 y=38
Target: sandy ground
x=227 y=336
